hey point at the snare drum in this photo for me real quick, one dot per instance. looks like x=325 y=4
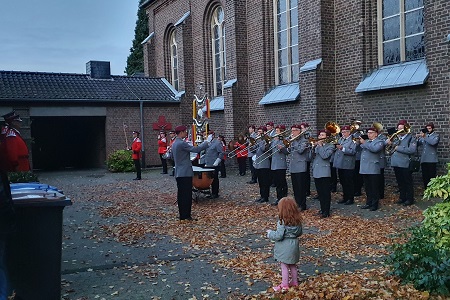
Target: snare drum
x=202 y=178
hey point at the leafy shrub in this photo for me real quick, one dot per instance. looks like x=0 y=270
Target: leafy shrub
x=16 y=177
x=421 y=263
x=439 y=187
x=120 y=161
x=437 y=221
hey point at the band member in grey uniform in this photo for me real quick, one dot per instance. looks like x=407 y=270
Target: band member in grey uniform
x=183 y=171
x=400 y=162
x=357 y=178
x=383 y=164
x=304 y=127
x=298 y=165
x=213 y=157
x=370 y=167
x=344 y=162
x=429 y=140
x=279 y=164
x=322 y=172
x=252 y=133
x=262 y=166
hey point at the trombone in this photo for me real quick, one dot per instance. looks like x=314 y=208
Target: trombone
x=251 y=142
x=270 y=150
x=332 y=127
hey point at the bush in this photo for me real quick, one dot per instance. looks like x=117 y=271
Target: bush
x=439 y=187
x=421 y=263
x=16 y=177
x=437 y=221
x=120 y=161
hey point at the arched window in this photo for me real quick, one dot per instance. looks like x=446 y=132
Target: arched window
x=174 y=60
x=286 y=41
x=218 y=50
x=400 y=31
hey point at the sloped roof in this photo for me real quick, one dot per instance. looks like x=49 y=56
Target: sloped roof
x=40 y=86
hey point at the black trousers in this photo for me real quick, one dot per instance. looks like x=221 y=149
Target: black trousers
x=299 y=184
x=428 y=172
x=137 y=166
x=357 y=178
x=242 y=164
x=381 y=182
x=371 y=184
x=280 y=181
x=308 y=178
x=264 y=181
x=405 y=183
x=348 y=187
x=164 y=163
x=184 y=197
x=215 y=183
x=223 y=170
x=323 y=185
x=252 y=169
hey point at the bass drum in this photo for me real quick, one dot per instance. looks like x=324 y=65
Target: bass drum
x=202 y=178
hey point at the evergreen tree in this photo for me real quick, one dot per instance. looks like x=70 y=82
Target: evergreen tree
x=135 y=61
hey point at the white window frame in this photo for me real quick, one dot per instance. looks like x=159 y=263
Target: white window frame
x=289 y=44
x=220 y=23
x=402 y=36
x=175 y=79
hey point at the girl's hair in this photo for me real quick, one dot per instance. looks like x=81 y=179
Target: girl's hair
x=288 y=212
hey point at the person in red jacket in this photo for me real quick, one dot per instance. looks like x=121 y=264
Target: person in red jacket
x=242 y=154
x=14 y=145
x=162 y=149
x=136 y=147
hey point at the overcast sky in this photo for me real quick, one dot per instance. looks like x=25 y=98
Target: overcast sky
x=63 y=35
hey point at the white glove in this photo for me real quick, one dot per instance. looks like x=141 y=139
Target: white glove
x=217 y=162
x=209 y=138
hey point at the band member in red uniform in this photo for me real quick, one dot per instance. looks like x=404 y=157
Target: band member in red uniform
x=136 y=147
x=15 y=147
x=162 y=148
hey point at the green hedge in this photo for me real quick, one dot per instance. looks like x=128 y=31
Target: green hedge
x=120 y=161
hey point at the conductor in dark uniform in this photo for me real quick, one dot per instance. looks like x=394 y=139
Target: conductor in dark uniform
x=183 y=171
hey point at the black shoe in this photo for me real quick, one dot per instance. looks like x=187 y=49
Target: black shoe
x=136 y=178
x=357 y=194
x=408 y=203
x=223 y=176
x=333 y=190
x=365 y=206
x=319 y=213
x=251 y=182
x=242 y=174
x=213 y=196
x=303 y=208
x=349 y=202
x=275 y=203
x=342 y=201
x=400 y=201
x=189 y=219
x=258 y=200
x=373 y=208
x=324 y=216
x=264 y=200
x=273 y=185
x=172 y=174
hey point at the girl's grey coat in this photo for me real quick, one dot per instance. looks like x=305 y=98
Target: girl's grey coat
x=286 y=248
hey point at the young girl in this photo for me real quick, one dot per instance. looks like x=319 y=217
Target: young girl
x=286 y=250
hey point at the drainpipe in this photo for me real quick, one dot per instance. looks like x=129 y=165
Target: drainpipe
x=141 y=111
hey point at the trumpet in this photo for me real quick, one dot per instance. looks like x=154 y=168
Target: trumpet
x=287 y=142
x=390 y=148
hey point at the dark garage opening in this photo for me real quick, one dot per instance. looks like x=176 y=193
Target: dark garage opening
x=68 y=142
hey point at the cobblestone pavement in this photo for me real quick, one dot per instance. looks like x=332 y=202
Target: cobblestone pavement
x=160 y=266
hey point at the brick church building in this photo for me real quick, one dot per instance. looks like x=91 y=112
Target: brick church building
x=293 y=61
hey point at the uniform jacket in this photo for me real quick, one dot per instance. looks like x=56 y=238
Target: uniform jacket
x=286 y=249
x=345 y=158
x=429 y=147
x=253 y=135
x=278 y=156
x=181 y=155
x=214 y=152
x=162 y=146
x=370 y=156
x=321 y=166
x=258 y=149
x=406 y=147
x=299 y=156
x=16 y=150
x=136 y=147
